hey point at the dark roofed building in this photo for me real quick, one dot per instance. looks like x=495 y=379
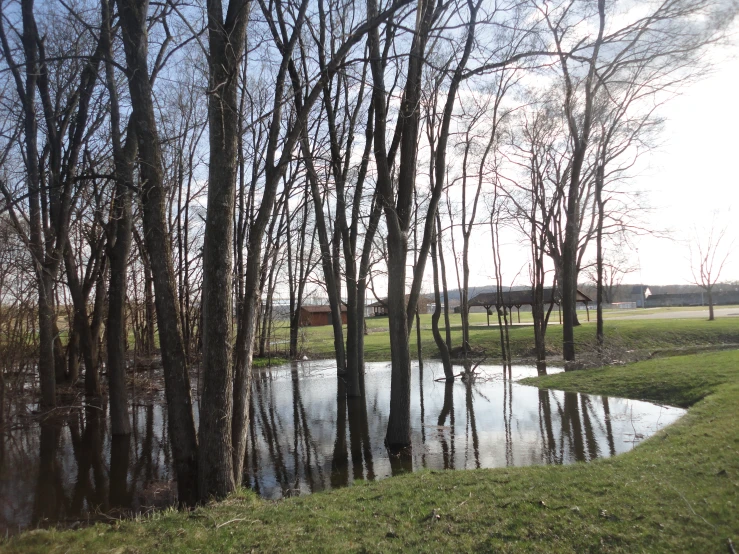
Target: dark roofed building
x=517 y=298
x=691 y=299
x=316 y=316
x=378 y=308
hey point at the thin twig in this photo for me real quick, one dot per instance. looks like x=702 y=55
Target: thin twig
x=691 y=507
x=230 y=521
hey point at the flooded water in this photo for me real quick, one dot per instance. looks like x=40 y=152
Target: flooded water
x=306 y=436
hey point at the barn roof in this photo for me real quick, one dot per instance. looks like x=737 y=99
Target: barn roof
x=382 y=302
x=320 y=309
x=521 y=298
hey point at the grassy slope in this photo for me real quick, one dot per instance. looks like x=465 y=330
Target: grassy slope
x=677 y=492
x=652 y=334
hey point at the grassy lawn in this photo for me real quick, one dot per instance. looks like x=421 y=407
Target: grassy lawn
x=676 y=492
x=664 y=310
x=648 y=335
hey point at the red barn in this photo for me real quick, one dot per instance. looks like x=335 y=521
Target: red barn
x=315 y=316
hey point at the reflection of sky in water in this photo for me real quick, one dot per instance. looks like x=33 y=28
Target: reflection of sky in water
x=300 y=442
x=304 y=444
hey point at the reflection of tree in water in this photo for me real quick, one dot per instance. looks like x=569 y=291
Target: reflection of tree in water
x=546 y=430
x=303 y=441
x=359 y=438
x=571 y=425
x=447 y=410
x=268 y=426
x=252 y=453
x=577 y=416
x=62 y=471
x=339 y=461
x=146 y=465
x=88 y=452
x=120 y=495
x=423 y=411
x=49 y=500
x=355 y=409
x=364 y=428
x=590 y=442
x=507 y=416
x=265 y=418
x=609 y=430
x=471 y=425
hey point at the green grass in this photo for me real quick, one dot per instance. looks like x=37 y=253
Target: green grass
x=267 y=362
x=676 y=492
x=663 y=310
x=646 y=335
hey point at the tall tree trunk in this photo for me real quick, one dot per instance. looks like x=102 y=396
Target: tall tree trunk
x=397 y=208
x=580 y=136
x=82 y=327
x=444 y=288
x=332 y=288
x=44 y=280
x=73 y=357
x=133 y=14
x=227 y=41
x=118 y=252
x=440 y=343
x=599 y=254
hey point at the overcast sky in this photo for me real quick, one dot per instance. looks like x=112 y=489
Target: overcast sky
x=691 y=181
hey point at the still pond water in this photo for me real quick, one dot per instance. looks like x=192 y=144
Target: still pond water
x=306 y=437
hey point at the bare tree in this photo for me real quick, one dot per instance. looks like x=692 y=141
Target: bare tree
x=133 y=16
x=664 y=41
x=51 y=172
x=708 y=255
x=226 y=39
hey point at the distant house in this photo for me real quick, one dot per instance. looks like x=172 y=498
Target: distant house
x=316 y=316
x=379 y=308
x=639 y=293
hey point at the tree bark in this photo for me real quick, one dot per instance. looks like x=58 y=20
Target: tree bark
x=118 y=251
x=227 y=41
x=176 y=380
x=440 y=343
x=599 y=254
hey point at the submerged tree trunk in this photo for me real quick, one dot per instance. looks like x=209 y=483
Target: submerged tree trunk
x=397 y=207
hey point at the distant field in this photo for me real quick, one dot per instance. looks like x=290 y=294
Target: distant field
x=642 y=329
x=651 y=334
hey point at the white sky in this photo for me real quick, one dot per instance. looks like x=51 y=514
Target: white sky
x=694 y=181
